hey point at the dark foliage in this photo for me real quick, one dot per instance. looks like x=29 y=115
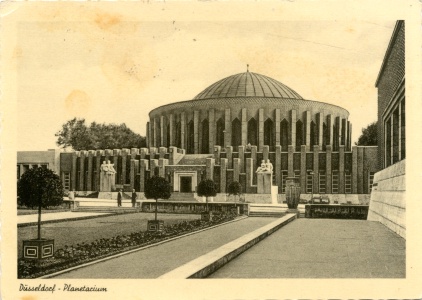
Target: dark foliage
x=369 y=136
x=79 y=136
x=157 y=187
x=234 y=188
x=207 y=188
x=39 y=186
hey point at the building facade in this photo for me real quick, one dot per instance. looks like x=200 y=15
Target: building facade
x=388 y=197
x=225 y=132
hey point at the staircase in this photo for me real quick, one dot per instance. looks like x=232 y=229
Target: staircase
x=182 y=197
x=273 y=211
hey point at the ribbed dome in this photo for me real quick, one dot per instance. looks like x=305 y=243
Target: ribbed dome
x=248 y=84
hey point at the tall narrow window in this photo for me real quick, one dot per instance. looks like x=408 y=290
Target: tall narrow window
x=347 y=182
x=178 y=135
x=325 y=140
x=252 y=132
x=205 y=137
x=284 y=135
x=314 y=135
x=66 y=180
x=309 y=182
x=236 y=134
x=299 y=134
x=387 y=130
x=190 y=144
x=322 y=182
x=334 y=184
x=396 y=141
x=268 y=133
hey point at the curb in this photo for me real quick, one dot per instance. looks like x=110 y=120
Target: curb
x=80 y=218
x=207 y=264
x=137 y=249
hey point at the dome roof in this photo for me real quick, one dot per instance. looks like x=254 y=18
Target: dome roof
x=248 y=84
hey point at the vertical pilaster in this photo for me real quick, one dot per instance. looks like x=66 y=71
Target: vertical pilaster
x=124 y=153
x=316 y=169
x=277 y=167
x=354 y=170
x=82 y=170
x=242 y=158
x=227 y=128
x=330 y=130
x=183 y=130
x=290 y=151
x=249 y=175
x=329 y=171
x=162 y=163
x=172 y=130
x=260 y=129
x=162 y=152
x=320 y=125
x=74 y=172
x=341 y=170
x=217 y=152
x=196 y=131
x=154 y=167
x=223 y=175
x=156 y=133
x=303 y=169
x=265 y=152
x=98 y=155
x=148 y=135
x=116 y=154
x=277 y=126
x=163 y=136
x=211 y=129
x=244 y=127
x=236 y=169
x=292 y=120
x=210 y=163
x=307 y=118
x=142 y=178
x=143 y=153
x=338 y=137
x=350 y=136
x=134 y=170
x=229 y=156
x=360 y=169
x=90 y=169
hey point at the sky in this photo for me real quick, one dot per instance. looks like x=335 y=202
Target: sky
x=115 y=69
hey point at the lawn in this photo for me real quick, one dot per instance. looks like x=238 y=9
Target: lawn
x=74 y=232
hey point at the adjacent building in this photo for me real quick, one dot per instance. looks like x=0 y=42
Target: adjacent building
x=388 y=202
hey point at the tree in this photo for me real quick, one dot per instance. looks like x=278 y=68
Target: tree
x=78 y=135
x=40 y=187
x=369 y=136
x=235 y=188
x=207 y=188
x=156 y=188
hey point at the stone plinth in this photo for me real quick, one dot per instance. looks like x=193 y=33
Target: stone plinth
x=264 y=183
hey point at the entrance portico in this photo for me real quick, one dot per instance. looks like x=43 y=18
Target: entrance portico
x=185 y=182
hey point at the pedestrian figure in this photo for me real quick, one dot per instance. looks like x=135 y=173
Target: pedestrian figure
x=134 y=197
x=119 y=198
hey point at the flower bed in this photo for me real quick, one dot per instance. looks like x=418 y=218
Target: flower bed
x=70 y=256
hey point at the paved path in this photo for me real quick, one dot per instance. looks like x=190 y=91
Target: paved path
x=155 y=261
x=64 y=215
x=323 y=248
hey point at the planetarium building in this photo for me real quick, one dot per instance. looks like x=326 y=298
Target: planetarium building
x=225 y=132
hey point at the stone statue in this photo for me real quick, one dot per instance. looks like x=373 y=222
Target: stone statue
x=266 y=167
x=107 y=177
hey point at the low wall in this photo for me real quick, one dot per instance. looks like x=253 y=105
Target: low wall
x=388 y=198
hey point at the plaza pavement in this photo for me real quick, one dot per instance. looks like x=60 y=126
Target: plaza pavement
x=155 y=261
x=323 y=248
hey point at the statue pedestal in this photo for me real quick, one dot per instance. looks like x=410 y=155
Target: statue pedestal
x=264 y=183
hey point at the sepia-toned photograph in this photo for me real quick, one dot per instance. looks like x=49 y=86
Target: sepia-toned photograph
x=238 y=143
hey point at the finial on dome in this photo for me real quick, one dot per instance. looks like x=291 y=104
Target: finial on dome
x=247 y=68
